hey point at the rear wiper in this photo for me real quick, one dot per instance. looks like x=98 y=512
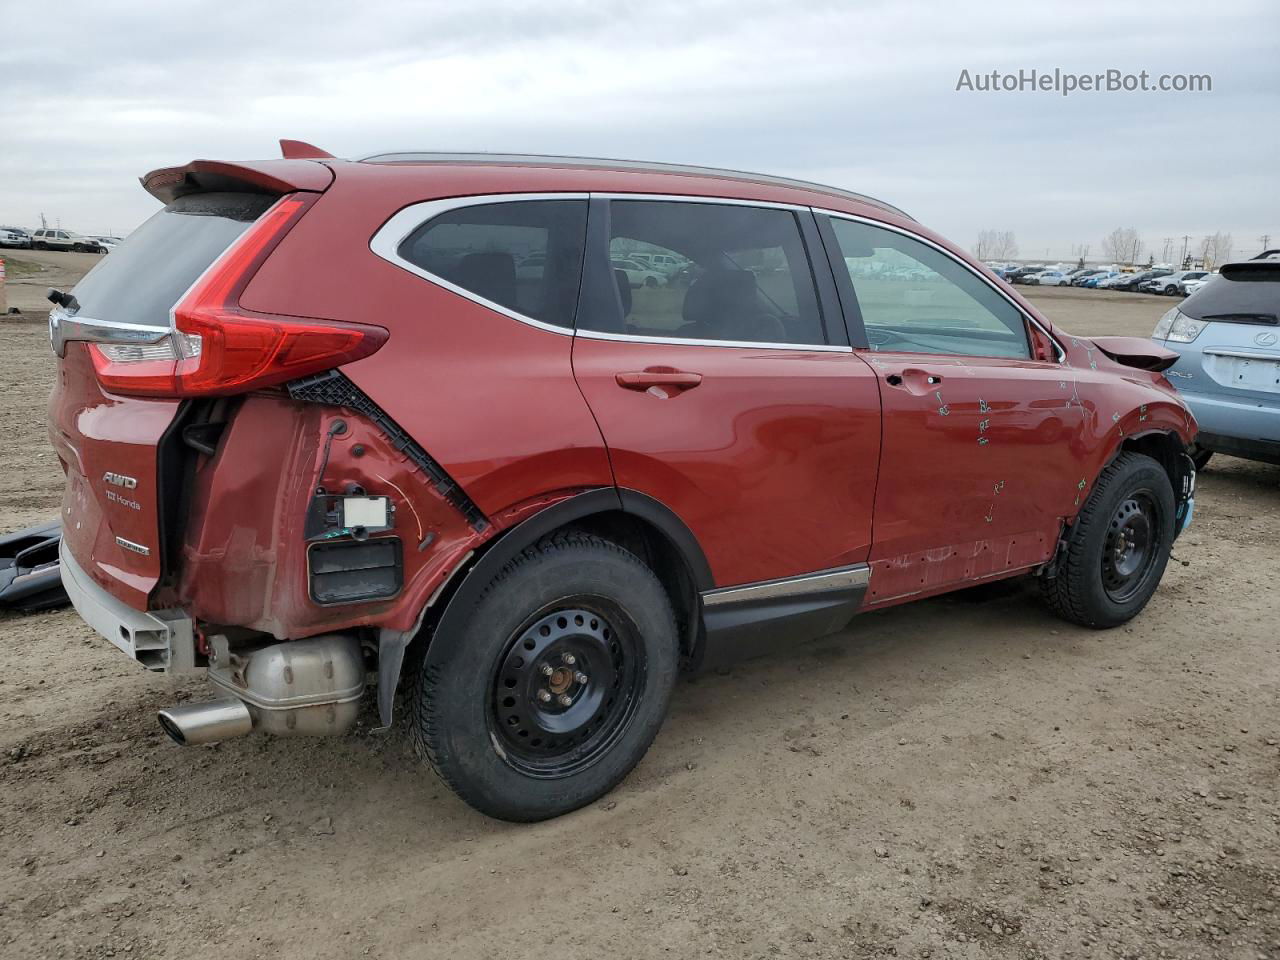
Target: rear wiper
x=1269 y=318
x=65 y=300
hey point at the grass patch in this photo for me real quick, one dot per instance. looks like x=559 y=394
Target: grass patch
x=15 y=269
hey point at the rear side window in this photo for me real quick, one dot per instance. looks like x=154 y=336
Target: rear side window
x=524 y=256
x=1243 y=293
x=150 y=271
x=729 y=272
x=915 y=299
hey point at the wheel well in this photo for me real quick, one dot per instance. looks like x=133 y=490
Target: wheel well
x=637 y=534
x=1167 y=450
x=662 y=556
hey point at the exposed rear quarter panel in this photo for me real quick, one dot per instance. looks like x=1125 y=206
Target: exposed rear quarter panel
x=490 y=398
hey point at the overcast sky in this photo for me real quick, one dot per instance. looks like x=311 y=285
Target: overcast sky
x=857 y=94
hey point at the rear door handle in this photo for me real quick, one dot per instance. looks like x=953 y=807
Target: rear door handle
x=644 y=379
x=914 y=380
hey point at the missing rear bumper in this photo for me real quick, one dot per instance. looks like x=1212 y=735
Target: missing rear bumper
x=160 y=640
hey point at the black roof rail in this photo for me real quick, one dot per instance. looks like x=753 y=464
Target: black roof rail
x=638 y=166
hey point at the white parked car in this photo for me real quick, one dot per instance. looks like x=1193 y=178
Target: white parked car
x=1190 y=285
x=640 y=275
x=14 y=237
x=663 y=262
x=1051 y=278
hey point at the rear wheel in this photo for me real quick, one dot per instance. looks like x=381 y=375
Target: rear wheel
x=555 y=687
x=1118 y=546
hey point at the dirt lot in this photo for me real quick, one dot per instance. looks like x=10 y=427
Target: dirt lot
x=964 y=777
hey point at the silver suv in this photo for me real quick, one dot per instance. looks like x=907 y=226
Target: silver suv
x=46 y=239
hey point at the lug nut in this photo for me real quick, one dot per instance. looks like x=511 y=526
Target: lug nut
x=546 y=670
x=565 y=700
x=544 y=696
x=580 y=677
x=569 y=659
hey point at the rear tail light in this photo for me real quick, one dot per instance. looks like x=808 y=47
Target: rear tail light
x=219 y=348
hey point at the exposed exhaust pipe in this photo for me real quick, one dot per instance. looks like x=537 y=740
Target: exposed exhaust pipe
x=192 y=723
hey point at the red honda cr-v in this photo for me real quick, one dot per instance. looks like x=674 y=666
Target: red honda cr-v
x=525 y=436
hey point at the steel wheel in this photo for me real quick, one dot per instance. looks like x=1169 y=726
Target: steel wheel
x=1130 y=547
x=566 y=687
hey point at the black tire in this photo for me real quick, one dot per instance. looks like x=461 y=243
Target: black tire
x=77 y=247
x=650 y=281
x=1199 y=456
x=1104 y=581
x=540 y=759
x=39 y=246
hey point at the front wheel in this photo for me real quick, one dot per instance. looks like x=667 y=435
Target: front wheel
x=1118 y=546
x=556 y=685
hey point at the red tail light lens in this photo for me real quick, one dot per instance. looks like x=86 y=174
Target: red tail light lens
x=217 y=348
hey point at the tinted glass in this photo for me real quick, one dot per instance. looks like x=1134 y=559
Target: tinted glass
x=1243 y=293
x=150 y=271
x=525 y=255
x=915 y=299
x=734 y=273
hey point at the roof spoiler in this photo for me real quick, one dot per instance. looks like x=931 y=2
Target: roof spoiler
x=253 y=176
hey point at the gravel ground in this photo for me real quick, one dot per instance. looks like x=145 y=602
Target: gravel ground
x=963 y=777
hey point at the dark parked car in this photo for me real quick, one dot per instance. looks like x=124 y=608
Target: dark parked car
x=1021 y=273
x=316 y=424
x=1133 y=280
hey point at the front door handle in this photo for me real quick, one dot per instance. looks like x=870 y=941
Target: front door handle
x=645 y=379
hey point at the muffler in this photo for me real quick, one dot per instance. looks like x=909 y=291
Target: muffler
x=192 y=723
x=297 y=688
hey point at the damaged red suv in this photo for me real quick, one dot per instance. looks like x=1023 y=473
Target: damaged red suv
x=523 y=437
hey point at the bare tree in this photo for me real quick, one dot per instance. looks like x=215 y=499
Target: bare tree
x=1215 y=250
x=996 y=245
x=1122 y=245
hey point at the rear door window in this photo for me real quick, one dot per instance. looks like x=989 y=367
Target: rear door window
x=744 y=274
x=150 y=271
x=523 y=256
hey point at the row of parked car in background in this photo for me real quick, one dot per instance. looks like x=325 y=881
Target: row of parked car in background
x=1159 y=280
x=55 y=238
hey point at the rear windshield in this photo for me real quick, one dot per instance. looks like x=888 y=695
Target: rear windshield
x=1241 y=294
x=143 y=277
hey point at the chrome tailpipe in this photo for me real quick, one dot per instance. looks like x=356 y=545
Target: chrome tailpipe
x=192 y=723
x=306 y=687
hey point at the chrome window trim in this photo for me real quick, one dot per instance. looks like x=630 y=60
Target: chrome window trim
x=839 y=215
x=855 y=575
x=386 y=241
x=386 y=244
x=698 y=198
x=691 y=342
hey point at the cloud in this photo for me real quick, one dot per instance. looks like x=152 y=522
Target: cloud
x=861 y=95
